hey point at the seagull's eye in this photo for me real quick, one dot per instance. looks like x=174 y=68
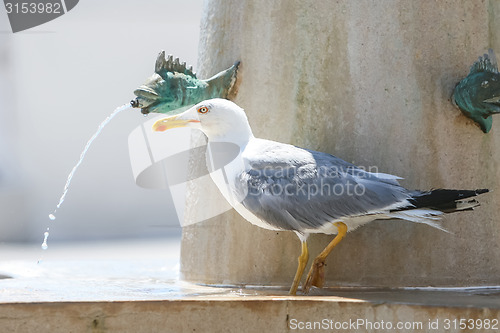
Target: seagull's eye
x=203 y=109
x=485 y=84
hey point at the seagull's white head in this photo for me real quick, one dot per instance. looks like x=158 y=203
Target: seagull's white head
x=220 y=119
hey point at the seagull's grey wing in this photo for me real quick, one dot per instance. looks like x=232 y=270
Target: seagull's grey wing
x=296 y=189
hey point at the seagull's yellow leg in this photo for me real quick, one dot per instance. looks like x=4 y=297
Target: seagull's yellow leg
x=316 y=275
x=303 y=259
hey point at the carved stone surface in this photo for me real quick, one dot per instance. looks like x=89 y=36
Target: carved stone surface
x=371 y=83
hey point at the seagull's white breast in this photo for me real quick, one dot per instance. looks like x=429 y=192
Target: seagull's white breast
x=226 y=177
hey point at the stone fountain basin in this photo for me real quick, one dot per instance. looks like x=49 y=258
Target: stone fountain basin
x=134 y=286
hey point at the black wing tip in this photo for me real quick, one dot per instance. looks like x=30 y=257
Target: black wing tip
x=462 y=193
x=481 y=191
x=446 y=200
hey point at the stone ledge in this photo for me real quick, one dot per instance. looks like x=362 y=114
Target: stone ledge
x=257 y=313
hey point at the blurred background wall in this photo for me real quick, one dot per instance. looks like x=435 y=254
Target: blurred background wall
x=58 y=82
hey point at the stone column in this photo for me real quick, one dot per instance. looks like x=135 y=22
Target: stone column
x=370 y=82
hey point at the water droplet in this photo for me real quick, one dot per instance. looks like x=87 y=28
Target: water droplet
x=45 y=237
x=52 y=217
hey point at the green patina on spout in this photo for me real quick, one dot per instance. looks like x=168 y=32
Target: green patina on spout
x=478 y=95
x=174 y=87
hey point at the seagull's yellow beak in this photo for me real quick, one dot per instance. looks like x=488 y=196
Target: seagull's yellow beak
x=172 y=122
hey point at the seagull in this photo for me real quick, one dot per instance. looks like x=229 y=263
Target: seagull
x=279 y=186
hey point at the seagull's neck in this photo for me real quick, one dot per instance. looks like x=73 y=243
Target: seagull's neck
x=239 y=135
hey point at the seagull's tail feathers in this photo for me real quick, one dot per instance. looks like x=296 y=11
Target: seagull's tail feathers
x=446 y=201
x=425 y=216
x=428 y=207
